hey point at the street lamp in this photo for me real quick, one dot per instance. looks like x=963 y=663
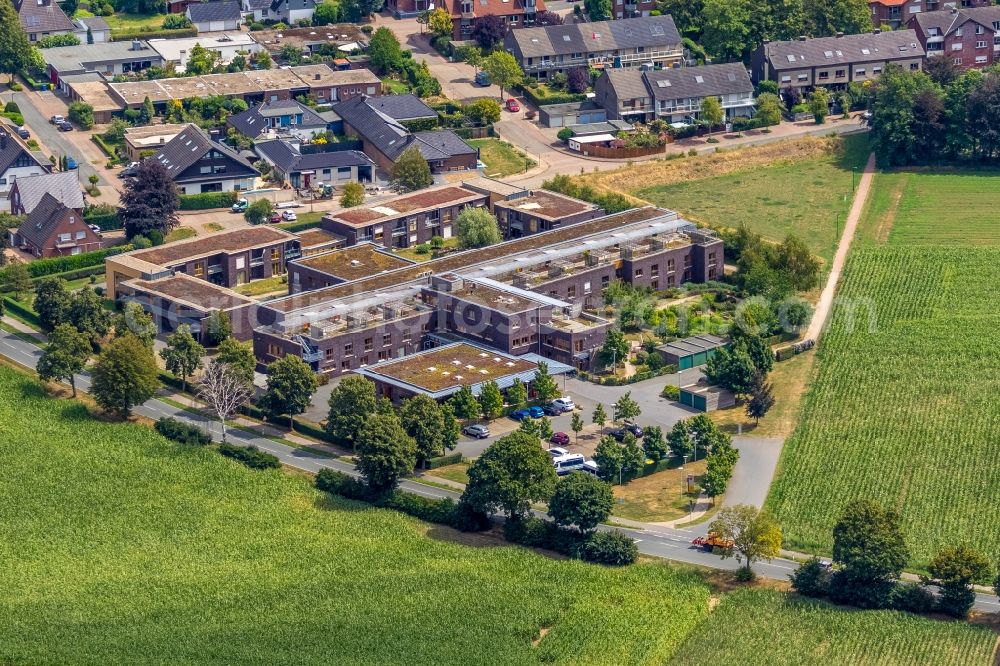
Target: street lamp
x=685 y=461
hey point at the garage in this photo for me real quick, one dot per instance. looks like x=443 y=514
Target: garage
x=573 y=113
x=691 y=352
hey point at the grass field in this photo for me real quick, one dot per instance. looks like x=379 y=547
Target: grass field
x=123 y=22
x=903 y=408
x=806 y=197
x=266 y=286
x=501 y=158
x=779 y=629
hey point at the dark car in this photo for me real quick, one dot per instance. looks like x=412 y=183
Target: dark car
x=23 y=133
x=560 y=438
x=619 y=433
x=65 y=127
x=552 y=409
x=275 y=217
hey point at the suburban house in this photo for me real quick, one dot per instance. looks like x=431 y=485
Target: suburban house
x=53 y=230
x=108 y=58
x=29 y=191
x=408 y=8
x=226 y=44
x=92 y=30
x=835 y=61
x=625 y=9
x=674 y=94
x=895 y=13
x=279 y=118
x=380 y=123
x=214 y=16
x=41 y=18
x=197 y=164
x=144 y=141
x=18 y=161
x=544 y=51
x=513 y=13
x=327 y=85
x=291 y=11
x=969 y=37
x=314 y=169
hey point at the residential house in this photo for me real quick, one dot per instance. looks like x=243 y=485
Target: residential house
x=215 y=16
x=41 y=18
x=291 y=12
x=279 y=118
x=834 y=62
x=626 y=9
x=54 y=230
x=513 y=14
x=895 y=13
x=674 y=94
x=408 y=8
x=108 y=58
x=197 y=164
x=547 y=50
x=29 y=191
x=226 y=44
x=256 y=10
x=969 y=37
x=314 y=169
x=328 y=86
x=18 y=161
x=144 y=141
x=381 y=124
x=92 y=30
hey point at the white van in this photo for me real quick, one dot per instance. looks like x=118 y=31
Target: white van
x=568 y=463
x=590 y=467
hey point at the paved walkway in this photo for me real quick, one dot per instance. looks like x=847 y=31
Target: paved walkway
x=822 y=313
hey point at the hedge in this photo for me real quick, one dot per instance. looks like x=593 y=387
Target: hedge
x=74 y=274
x=184 y=433
x=250 y=456
x=297 y=226
x=26 y=314
x=539 y=99
x=106 y=221
x=207 y=200
x=467 y=132
x=139 y=33
x=108 y=149
x=32 y=83
x=625 y=381
x=73 y=262
x=441 y=461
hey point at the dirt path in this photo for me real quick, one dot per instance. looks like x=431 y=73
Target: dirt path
x=826 y=298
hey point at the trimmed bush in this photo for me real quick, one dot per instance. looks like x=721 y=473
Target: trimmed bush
x=443 y=511
x=671 y=392
x=207 y=200
x=539 y=97
x=297 y=226
x=106 y=221
x=184 y=433
x=441 y=461
x=73 y=262
x=250 y=456
x=18 y=310
x=565 y=134
x=610 y=548
x=151 y=33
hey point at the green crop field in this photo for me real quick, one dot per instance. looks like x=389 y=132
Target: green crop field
x=807 y=198
x=904 y=407
x=766 y=627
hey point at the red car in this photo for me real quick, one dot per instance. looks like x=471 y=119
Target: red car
x=275 y=217
x=560 y=438
x=512 y=105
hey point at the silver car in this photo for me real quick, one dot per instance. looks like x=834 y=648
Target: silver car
x=477 y=431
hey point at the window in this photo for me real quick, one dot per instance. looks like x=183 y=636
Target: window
x=860 y=72
x=823 y=76
x=80 y=235
x=711 y=258
x=786 y=79
x=345 y=364
x=638 y=273
x=958 y=32
x=199 y=269
x=273 y=349
x=383 y=355
x=957 y=61
x=571 y=291
x=981 y=44
x=586 y=287
x=65 y=238
x=605 y=281
x=980 y=60
x=406 y=336
x=670 y=266
x=386 y=339
x=369 y=344
x=803 y=77
x=329 y=354
x=348 y=349
x=654 y=270
x=957 y=46
x=275 y=254
x=876 y=70
x=979 y=29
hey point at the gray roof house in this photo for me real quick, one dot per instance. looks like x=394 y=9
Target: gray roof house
x=109 y=58
x=41 y=18
x=544 y=51
x=215 y=16
x=99 y=29
x=835 y=61
x=17 y=160
x=280 y=117
x=292 y=11
x=674 y=95
x=64 y=186
x=197 y=164
x=312 y=169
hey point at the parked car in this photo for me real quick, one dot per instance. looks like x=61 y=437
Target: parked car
x=128 y=172
x=71 y=163
x=619 y=433
x=56 y=119
x=23 y=133
x=65 y=126
x=560 y=438
x=288 y=216
x=552 y=409
x=240 y=206
x=477 y=431
x=96 y=229
x=275 y=217
x=513 y=106
x=483 y=79
x=568 y=463
x=565 y=403
x=520 y=415
x=558 y=452
x=536 y=412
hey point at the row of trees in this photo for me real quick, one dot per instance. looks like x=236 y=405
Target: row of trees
x=870 y=552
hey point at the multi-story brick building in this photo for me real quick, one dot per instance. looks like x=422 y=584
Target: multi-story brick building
x=894 y=13
x=541 y=210
x=514 y=14
x=970 y=38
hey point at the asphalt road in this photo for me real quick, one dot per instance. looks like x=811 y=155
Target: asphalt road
x=56 y=141
x=671 y=544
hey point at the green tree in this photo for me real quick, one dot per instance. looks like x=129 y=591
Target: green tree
x=52 y=302
x=65 y=355
x=581 y=500
x=465 y=405
x=485 y=111
x=715 y=480
x=452 y=429
x=529 y=427
x=626 y=408
x=869 y=545
x=15 y=50
x=825 y=18
x=598 y=10
x=385 y=452
x=654 y=444
x=761 y=398
x=769 y=108
x=354 y=195
x=422 y=420
x=17 y=279
x=411 y=171
x=82 y=114
x=239 y=356
x=183 y=354
x=731 y=369
x=545 y=430
x=819 y=104
x=503 y=70
x=511 y=474
x=125 y=375
x=219 y=328
x=754 y=532
x=384 y=50
x=726 y=28
x=633 y=457
x=201 y=61
x=679 y=440
x=439 y=22
x=491 y=399
x=134 y=320
x=599 y=417
x=545 y=385
x=609 y=457
x=351 y=401
x=88 y=314
x=470 y=55
x=711 y=112
x=477 y=227
x=290 y=386
x=517 y=394
x=576 y=425
x=259 y=212
x=326 y=13
x=955 y=570
x=148 y=111
x=615 y=348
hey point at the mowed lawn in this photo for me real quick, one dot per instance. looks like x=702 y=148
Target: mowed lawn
x=777 y=628
x=808 y=198
x=120 y=547
x=904 y=407
x=501 y=158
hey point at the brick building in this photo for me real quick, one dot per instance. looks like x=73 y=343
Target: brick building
x=541 y=210
x=970 y=38
x=514 y=14
x=894 y=13
x=53 y=229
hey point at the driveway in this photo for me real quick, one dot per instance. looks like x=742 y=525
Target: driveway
x=753 y=473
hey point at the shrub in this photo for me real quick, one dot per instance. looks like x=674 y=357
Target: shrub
x=175 y=21
x=441 y=461
x=140 y=33
x=250 y=456
x=611 y=548
x=913 y=598
x=441 y=511
x=11 y=107
x=184 y=433
x=423 y=248
x=811 y=579
x=565 y=134
x=671 y=392
x=15 y=86
x=53 y=265
x=207 y=200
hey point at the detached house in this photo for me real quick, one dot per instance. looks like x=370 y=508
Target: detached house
x=53 y=230
x=214 y=16
x=969 y=37
x=17 y=161
x=674 y=95
x=41 y=18
x=315 y=169
x=513 y=13
x=835 y=61
x=279 y=118
x=545 y=51
x=197 y=164
x=28 y=192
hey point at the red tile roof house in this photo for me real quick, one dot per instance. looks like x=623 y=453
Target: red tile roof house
x=897 y=12
x=968 y=37
x=514 y=14
x=54 y=230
